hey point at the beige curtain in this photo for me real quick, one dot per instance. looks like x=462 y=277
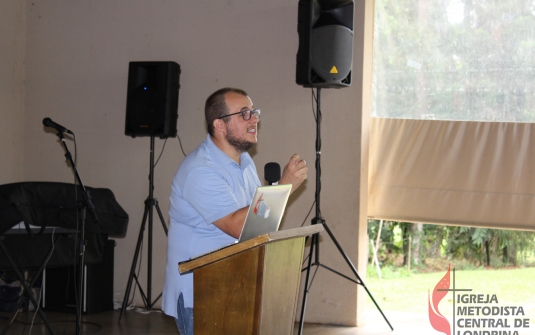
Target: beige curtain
x=453 y=172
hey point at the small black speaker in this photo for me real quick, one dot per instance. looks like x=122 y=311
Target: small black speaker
x=152 y=99
x=325 y=54
x=59 y=293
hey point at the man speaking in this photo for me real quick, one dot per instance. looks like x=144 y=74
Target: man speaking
x=211 y=193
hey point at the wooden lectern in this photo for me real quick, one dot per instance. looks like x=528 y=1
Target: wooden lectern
x=251 y=287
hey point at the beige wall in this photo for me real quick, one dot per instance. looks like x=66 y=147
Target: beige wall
x=11 y=90
x=77 y=55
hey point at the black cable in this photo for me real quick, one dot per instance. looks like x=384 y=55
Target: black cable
x=305 y=220
x=308 y=214
x=76 y=243
x=179 y=141
x=317 y=118
x=318 y=153
x=161 y=152
x=314 y=103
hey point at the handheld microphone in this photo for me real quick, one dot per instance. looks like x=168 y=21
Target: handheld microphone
x=272 y=173
x=47 y=122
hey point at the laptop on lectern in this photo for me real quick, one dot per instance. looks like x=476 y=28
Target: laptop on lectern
x=264 y=215
x=266 y=211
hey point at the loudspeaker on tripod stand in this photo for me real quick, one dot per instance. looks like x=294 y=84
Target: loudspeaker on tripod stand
x=152 y=99
x=325 y=54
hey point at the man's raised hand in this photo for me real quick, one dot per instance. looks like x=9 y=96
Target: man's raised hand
x=295 y=172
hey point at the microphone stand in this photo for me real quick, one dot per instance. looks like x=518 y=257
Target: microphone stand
x=315 y=246
x=85 y=205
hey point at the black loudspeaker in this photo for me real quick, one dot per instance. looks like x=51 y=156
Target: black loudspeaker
x=152 y=99
x=325 y=54
x=59 y=294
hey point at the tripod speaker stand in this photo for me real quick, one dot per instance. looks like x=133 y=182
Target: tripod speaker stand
x=150 y=203
x=314 y=246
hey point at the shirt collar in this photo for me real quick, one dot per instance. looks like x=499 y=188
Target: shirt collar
x=224 y=159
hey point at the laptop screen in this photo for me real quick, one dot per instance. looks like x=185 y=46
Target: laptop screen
x=266 y=211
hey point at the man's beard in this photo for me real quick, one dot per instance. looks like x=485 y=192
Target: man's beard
x=238 y=144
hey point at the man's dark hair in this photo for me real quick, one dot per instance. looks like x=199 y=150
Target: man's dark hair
x=216 y=106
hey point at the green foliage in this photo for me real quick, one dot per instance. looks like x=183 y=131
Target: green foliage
x=389 y=272
x=477 y=246
x=455 y=60
x=479 y=236
x=393 y=240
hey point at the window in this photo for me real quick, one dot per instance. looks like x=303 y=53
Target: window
x=471 y=60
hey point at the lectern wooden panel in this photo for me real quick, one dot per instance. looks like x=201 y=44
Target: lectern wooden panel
x=233 y=284
x=251 y=287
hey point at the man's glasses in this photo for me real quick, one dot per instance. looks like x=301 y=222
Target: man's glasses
x=245 y=114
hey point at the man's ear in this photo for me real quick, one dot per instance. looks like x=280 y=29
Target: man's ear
x=219 y=126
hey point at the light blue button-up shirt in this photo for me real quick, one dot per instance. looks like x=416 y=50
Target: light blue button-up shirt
x=208 y=186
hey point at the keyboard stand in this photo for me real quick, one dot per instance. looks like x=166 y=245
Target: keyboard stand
x=26 y=287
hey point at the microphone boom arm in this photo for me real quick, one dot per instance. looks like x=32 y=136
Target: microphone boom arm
x=87 y=196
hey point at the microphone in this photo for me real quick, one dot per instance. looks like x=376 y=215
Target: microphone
x=272 y=173
x=47 y=122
